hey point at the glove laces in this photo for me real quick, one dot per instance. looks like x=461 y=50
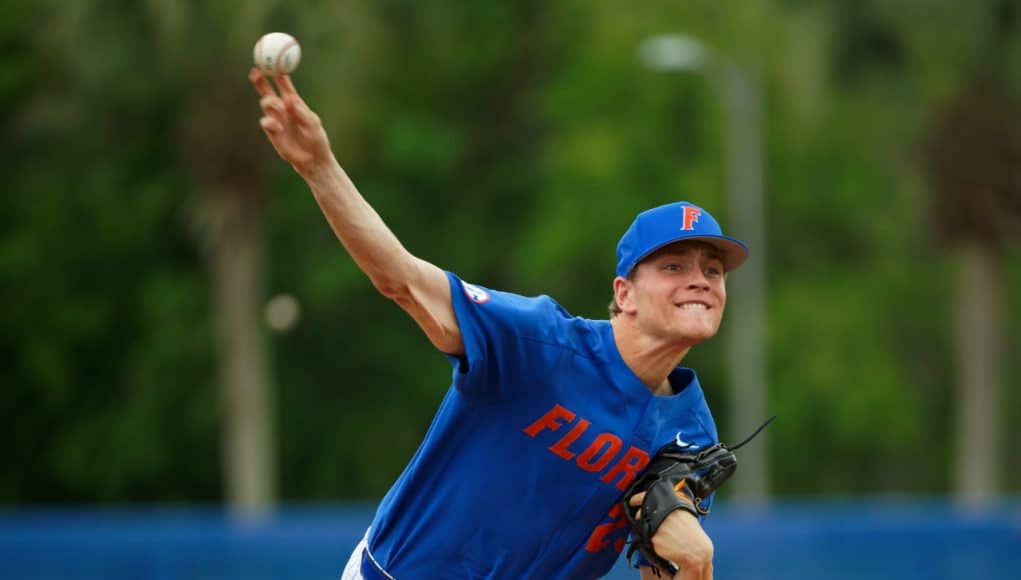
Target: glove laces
x=754 y=433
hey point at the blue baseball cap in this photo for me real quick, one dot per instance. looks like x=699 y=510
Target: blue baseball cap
x=675 y=222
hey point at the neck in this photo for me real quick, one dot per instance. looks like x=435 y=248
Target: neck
x=651 y=359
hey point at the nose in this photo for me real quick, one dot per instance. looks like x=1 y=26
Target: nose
x=698 y=281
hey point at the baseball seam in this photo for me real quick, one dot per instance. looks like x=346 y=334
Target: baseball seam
x=280 y=55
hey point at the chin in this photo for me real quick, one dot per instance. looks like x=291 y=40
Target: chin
x=697 y=334
x=697 y=338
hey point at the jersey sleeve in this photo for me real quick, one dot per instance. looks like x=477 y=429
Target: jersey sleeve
x=510 y=340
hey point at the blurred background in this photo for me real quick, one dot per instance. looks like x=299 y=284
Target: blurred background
x=197 y=382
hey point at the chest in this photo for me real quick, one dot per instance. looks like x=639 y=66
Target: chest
x=586 y=425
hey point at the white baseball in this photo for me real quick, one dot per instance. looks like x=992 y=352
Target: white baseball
x=277 y=53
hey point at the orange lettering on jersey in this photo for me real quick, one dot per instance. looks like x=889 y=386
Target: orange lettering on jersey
x=599 y=541
x=633 y=461
x=560 y=448
x=551 y=420
x=588 y=461
x=690 y=217
x=599 y=453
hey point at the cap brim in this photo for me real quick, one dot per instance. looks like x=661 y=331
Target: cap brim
x=733 y=252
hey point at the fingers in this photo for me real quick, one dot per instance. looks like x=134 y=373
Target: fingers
x=261 y=83
x=636 y=502
x=273 y=107
x=290 y=95
x=270 y=103
x=280 y=110
x=270 y=125
x=293 y=101
x=285 y=84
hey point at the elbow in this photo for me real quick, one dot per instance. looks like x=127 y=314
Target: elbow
x=393 y=282
x=396 y=290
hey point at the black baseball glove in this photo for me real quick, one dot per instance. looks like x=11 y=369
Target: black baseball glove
x=678 y=477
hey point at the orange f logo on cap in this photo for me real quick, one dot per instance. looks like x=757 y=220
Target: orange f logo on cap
x=690 y=217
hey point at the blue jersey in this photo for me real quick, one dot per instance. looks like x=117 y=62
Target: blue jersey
x=521 y=473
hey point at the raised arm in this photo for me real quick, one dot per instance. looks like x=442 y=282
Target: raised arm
x=420 y=288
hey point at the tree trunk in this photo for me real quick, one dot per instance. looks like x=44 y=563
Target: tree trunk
x=235 y=255
x=979 y=333
x=746 y=299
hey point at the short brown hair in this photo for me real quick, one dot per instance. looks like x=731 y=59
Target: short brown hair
x=613 y=307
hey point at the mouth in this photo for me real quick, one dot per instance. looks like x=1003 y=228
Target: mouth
x=694 y=305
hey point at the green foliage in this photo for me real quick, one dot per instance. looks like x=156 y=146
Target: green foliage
x=510 y=142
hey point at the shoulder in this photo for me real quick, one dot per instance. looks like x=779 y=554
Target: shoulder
x=691 y=420
x=537 y=317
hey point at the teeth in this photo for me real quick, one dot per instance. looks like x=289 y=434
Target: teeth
x=692 y=306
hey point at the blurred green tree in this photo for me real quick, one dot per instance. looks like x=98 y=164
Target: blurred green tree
x=509 y=142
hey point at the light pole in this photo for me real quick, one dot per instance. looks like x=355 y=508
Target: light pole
x=745 y=201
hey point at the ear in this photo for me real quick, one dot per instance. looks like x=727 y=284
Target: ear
x=622 y=293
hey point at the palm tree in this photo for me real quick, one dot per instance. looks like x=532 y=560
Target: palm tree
x=973 y=161
x=182 y=67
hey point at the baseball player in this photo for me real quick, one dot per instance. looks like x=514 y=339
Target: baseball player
x=549 y=417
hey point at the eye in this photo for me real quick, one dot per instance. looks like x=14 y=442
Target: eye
x=713 y=272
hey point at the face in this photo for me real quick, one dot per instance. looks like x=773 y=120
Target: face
x=677 y=294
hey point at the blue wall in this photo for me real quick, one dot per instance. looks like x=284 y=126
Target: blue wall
x=800 y=540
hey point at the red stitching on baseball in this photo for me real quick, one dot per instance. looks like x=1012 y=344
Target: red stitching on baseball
x=280 y=55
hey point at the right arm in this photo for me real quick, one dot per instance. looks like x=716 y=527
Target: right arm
x=419 y=287
x=680 y=539
x=648 y=573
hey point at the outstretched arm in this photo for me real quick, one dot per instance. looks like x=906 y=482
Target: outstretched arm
x=420 y=288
